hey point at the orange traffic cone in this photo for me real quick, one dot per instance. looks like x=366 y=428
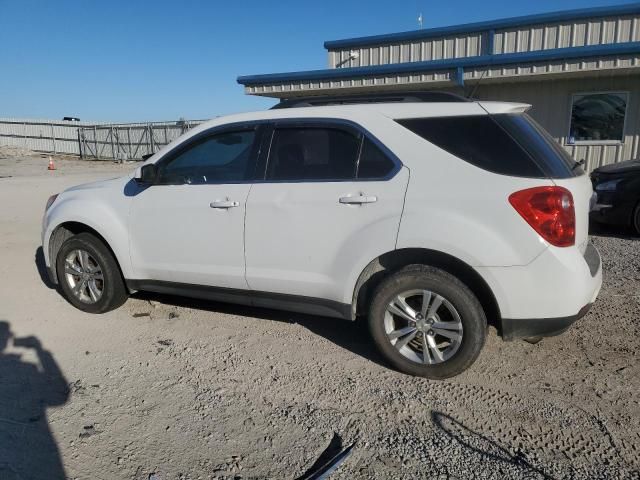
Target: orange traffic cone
x=51 y=165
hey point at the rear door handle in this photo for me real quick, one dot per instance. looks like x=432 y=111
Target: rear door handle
x=224 y=204
x=358 y=199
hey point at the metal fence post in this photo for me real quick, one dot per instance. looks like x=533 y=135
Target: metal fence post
x=95 y=139
x=53 y=139
x=117 y=130
x=151 y=137
x=129 y=141
x=113 y=152
x=80 y=145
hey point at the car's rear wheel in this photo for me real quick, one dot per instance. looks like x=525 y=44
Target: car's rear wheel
x=636 y=219
x=88 y=274
x=427 y=323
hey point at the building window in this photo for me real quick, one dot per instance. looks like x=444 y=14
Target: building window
x=598 y=118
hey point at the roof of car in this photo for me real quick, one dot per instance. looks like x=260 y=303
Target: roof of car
x=393 y=110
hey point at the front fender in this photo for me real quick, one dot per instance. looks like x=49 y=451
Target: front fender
x=108 y=219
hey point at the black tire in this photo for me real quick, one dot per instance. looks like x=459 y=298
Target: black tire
x=470 y=312
x=635 y=221
x=114 y=292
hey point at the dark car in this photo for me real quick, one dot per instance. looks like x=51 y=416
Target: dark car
x=617 y=188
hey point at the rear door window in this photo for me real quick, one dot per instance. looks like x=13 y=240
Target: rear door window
x=312 y=154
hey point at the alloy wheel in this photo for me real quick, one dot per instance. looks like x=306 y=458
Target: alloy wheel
x=423 y=326
x=84 y=276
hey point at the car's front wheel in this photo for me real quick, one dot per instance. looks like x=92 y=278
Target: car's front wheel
x=88 y=274
x=427 y=323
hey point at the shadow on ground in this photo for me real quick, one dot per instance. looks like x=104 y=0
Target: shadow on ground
x=487 y=451
x=352 y=336
x=42 y=268
x=27 y=448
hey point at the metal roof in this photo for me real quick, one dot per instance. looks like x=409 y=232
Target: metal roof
x=625 y=9
x=443 y=64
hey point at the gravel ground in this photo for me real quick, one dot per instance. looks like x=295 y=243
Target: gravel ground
x=170 y=388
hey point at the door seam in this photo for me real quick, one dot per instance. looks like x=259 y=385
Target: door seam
x=404 y=201
x=244 y=236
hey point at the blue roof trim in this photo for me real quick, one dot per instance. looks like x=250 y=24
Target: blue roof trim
x=626 y=9
x=452 y=63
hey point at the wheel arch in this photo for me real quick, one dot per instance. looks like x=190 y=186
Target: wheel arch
x=390 y=262
x=66 y=230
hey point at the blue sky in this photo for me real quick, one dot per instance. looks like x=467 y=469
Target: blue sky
x=128 y=60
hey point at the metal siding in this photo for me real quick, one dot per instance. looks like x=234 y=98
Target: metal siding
x=457 y=46
x=551 y=102
x=55 y=136
x=528 y=38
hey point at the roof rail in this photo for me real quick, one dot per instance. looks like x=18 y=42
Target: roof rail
x=399 y=97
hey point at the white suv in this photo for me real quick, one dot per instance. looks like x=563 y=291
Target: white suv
x=431 y=219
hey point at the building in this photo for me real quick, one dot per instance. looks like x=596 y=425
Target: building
x=579 y=69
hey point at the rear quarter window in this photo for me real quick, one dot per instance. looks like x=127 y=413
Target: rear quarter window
x=504 y=144
x=373 y=163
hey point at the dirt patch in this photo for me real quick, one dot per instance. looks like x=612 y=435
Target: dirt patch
x=12 y=152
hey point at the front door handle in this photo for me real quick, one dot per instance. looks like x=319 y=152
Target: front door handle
x=224 y=204
x=358 y=199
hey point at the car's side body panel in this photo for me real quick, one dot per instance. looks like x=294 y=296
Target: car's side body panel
x=459 y=209
x=176 y=236
x=301 y=240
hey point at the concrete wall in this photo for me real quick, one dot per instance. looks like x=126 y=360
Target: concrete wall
x=551 y=102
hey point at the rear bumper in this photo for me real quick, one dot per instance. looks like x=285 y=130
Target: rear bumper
x=545 y=297
x=539 y=327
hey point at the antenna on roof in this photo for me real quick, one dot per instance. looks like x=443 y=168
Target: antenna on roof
x=420 y=20
x=475 y=87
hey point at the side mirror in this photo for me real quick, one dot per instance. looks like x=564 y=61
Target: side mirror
x=146 y=156
x=146 y=174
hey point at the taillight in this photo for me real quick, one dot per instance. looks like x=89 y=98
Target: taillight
x=550 y=211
